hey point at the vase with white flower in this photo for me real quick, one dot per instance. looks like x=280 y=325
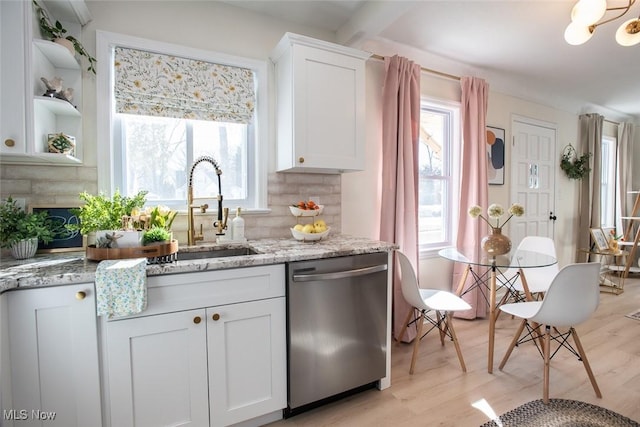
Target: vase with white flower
x=496 y=243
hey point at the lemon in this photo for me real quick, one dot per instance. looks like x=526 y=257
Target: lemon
x=308 y=228
x=298 y=227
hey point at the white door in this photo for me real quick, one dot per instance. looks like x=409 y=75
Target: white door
x=158 y=370
x=533 y=175
x=53 y=346
x=247 y=360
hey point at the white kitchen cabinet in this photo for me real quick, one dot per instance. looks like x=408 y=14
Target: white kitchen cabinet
x=53 y=350
x=320 y=106
x=27 y=117
x=209 y=350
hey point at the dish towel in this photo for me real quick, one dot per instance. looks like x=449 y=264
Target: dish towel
x=121 y=287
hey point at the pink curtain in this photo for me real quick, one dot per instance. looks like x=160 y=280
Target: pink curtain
x=474 y=185
x=400 y=126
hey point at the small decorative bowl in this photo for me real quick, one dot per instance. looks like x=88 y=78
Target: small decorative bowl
x=309 y=237
x=306 y=212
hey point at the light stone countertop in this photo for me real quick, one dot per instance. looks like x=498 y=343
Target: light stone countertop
x=72 y=267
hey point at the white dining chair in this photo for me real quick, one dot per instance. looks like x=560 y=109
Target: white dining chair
x=538 y=278
x=423 y=302
x=571 y=298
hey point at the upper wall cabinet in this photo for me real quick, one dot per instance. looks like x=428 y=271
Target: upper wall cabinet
x=320 y=106
x=28 y=118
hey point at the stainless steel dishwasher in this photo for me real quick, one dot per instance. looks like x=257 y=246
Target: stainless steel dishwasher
x=336 y=328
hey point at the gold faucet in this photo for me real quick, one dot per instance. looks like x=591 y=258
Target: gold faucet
x=223 y=214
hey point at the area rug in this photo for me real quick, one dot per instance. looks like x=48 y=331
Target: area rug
x=635 y=315
x=561 y=413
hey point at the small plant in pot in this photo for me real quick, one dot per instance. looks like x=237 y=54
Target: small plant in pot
x=57 y=31
x=20 y=230
x=156 y=235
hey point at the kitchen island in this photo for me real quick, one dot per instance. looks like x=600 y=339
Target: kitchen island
x=209 y=349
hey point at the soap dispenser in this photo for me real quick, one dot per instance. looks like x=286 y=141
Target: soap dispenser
x=238 y=226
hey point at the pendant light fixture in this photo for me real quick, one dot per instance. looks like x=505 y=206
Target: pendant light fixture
x=586 y=16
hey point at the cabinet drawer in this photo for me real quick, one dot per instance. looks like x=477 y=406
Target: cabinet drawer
x=210 y=288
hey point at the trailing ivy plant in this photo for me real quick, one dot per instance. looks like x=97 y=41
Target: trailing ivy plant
x=575 y=167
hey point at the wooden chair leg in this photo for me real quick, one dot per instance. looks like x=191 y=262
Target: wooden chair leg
x=514 y=341
x=583 y=356
x=454 y=337
x=442 y=326
x=416 y=344
x=406 y=325
x=546 y=352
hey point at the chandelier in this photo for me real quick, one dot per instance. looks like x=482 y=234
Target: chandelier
x=584 y=21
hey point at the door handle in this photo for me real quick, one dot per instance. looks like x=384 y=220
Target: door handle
x=552 y=217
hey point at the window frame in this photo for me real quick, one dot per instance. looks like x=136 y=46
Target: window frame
x=106 y=167
x=450 y=174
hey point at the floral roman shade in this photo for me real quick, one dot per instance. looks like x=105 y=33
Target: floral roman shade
x=153 y=84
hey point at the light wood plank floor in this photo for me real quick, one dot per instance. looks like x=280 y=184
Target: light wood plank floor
x=440 y=394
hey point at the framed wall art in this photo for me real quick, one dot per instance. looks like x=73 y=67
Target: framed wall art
x=599 y=239
x=68 y=240
x=495 y=155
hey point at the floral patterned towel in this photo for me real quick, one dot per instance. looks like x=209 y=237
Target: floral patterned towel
x=121 y=287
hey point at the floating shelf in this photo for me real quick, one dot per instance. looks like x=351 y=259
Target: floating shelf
x=57 y=106
x=58 y=55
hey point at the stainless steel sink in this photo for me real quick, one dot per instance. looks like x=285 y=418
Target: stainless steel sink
x=214 y=253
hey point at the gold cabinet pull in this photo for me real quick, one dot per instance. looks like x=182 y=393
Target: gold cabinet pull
x=9 y=142
x=216 y=317
x=80 y=295
x=301 y=160
x=197 y=320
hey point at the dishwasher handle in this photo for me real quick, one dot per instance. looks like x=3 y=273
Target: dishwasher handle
x=344 y=274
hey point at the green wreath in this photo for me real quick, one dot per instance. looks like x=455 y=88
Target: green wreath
x=575 y=167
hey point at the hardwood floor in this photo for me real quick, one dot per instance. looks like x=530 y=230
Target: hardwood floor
x=440 y=394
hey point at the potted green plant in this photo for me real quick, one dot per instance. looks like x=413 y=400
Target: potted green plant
x=20 y=230
x=156 y=234
x=101 y=212
x=575 y=167
x=57 y=31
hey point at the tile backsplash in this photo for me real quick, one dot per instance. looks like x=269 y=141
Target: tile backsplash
x=60 y=186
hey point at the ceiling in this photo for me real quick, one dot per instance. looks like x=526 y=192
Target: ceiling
x=517 y=45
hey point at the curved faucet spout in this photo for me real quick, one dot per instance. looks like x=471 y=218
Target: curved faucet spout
x=221 y=223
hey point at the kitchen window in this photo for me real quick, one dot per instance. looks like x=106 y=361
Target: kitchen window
x=438 y=184
x=170 y=105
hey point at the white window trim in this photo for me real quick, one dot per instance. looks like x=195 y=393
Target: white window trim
x=106 y=41
x=426 y=252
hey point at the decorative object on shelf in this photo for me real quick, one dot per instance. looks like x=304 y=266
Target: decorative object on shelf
x=20 y=230
x=584 y=21
x=57 y=31
x=575 y=167
x=61 y=143
x=614 y=239
x=495 y=155
x=54 y=89
x=599 y=239
x=496 y=243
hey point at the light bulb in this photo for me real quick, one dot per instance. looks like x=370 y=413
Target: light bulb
x=576 y=34
x=588 y=12
x=628 y=33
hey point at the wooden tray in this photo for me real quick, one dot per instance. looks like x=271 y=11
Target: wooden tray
x=163 y=250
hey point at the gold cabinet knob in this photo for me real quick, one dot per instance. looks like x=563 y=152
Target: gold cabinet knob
x=216 y=317
x=9 y=142
x=197 y=320
x=80 y=295
x=300 y=159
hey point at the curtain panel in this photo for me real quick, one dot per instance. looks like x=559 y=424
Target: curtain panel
x=590 y=137
x=400 y=136
x=625 y=168
x=474 y=185
x=153 y=84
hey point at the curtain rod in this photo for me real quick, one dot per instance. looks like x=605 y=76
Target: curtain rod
x=612 y=122
x=426 y=70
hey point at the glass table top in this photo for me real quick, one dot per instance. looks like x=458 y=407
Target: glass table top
x=515 y=259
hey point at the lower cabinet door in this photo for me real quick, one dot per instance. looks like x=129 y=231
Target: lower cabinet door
x=53 y=346
x=157 y=368
x=247 y=360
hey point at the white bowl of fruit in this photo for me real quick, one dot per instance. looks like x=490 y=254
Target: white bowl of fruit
x=311 y=232
x=306 y=208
